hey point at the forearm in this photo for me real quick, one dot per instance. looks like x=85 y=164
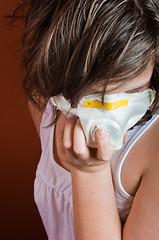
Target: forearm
x=95 y=211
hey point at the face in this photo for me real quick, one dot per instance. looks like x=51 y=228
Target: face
x=138 y=84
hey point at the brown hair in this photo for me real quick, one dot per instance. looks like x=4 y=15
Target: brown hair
x=70 y=45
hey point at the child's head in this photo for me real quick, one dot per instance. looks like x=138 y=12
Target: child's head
x=73 y=45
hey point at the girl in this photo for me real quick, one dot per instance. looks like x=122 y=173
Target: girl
x=95 y=50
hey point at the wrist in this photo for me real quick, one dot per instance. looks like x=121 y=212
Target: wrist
x=89 y=169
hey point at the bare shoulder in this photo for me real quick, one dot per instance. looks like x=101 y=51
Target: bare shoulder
x=142 y=222
x=151 y=142
x=142 y=157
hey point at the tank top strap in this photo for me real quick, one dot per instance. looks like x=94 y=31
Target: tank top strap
x=134 y=136
x=47 y=118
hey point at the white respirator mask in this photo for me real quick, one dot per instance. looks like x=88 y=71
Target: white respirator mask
x=118 y=113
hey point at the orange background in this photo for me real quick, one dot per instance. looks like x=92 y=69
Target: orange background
x=19 y=143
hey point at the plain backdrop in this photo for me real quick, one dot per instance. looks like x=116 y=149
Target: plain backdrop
x=19 y=144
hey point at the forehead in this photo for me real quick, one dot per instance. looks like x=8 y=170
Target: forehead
x=137 y=82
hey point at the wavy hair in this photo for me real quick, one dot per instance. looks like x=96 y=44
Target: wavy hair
x=71 y=45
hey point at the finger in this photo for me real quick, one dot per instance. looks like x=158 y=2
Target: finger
x=68 y=133
x=58 y=136
x=79 y=142
x=104 y=151
x=60 y=123
x=63 y=153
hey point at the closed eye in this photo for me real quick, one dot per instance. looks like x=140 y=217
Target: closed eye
x=135 y=91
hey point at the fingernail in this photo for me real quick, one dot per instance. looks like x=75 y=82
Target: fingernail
x=101 y=132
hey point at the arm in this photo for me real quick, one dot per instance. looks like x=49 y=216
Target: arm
x=143 y=220
x=95 y=211
x=94 y=205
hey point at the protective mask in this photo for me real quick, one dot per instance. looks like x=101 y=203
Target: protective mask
x=118 y=113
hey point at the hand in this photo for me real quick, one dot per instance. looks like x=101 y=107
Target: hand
x=72 y=149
